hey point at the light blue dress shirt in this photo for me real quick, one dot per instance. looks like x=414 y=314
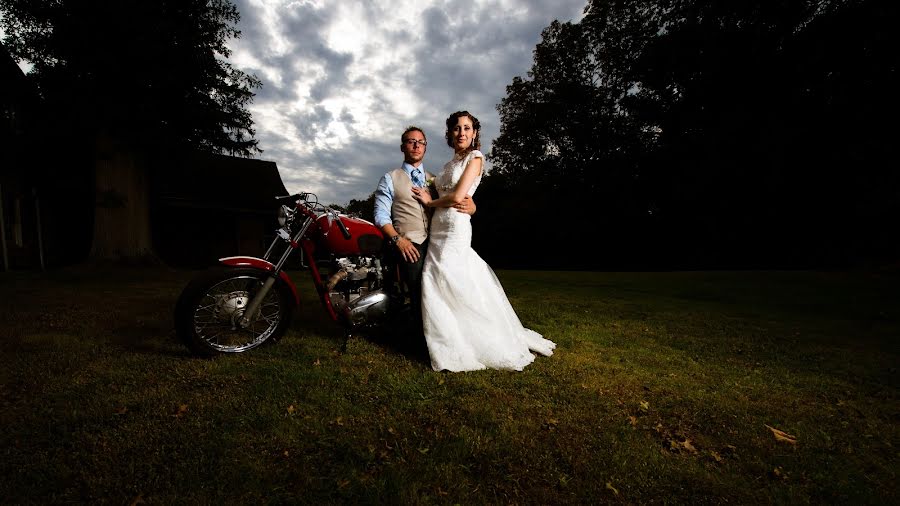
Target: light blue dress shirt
x=384 y=194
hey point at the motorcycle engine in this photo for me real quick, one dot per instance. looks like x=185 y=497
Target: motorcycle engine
x=355 y=287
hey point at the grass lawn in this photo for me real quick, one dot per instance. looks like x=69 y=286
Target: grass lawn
x=665 y=388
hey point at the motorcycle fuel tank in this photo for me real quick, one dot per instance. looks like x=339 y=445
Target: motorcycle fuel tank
x=365 y=237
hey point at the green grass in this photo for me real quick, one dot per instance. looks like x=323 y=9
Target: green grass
x=660 y=392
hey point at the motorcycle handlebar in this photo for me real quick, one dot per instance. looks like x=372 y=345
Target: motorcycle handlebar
x=292 y=199
x=312 y=205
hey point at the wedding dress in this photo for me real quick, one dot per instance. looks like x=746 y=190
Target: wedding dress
x=469 y=323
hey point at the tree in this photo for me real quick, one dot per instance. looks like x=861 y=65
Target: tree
x=131 y=80
x=761 y=109
x=364 y=209
x=568 y=145
x=706 y=133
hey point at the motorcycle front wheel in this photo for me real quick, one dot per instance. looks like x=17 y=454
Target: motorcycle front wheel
x=209 y=310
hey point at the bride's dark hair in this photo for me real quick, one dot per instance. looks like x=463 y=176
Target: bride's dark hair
x=476 y=125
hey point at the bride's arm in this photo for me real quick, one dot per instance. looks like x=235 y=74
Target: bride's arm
x=459 y=193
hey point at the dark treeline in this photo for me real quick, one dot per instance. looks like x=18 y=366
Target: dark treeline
x=154 y=74
x=123 y=89
x=653 y=134
x=672 y=134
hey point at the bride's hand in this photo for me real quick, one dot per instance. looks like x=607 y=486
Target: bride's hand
x=422 y=195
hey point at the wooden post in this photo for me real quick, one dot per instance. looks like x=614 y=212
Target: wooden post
x=40 y=235
x=3 y=234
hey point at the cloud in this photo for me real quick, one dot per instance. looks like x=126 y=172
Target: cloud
x=342 y=80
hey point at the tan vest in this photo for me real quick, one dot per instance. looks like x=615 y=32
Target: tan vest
x=411 y=219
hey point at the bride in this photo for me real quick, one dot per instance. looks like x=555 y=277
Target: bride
x=469 y=323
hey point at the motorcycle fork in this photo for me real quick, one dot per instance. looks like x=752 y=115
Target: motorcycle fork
x=293 y=243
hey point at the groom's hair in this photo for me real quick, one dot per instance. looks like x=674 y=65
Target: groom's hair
x=412 y=128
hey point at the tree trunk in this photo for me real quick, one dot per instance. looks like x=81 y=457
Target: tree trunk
x=122 y=210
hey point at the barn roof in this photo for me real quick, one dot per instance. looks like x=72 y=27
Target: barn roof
x=212 y=181
x=12 y=79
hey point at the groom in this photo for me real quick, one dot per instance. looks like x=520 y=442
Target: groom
x=404 y=220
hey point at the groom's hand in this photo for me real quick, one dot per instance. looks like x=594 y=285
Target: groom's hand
x=409 y=250
x=466 y=206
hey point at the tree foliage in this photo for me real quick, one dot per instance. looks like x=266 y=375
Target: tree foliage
x=152 y=72
x=364 y=209
x=706 y=132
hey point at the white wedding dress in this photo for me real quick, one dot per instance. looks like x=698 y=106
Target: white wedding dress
x=469 y=323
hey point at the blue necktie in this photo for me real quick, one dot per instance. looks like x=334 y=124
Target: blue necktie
x=417 y=178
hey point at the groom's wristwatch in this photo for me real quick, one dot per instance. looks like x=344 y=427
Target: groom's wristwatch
x=395 y=239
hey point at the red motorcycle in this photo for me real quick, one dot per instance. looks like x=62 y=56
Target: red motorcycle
x=249 y=301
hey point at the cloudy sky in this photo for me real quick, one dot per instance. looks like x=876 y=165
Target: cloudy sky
x=343 y=79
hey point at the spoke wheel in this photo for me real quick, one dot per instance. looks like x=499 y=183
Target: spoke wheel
x=211 y=308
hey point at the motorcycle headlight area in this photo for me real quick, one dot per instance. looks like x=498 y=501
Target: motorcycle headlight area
x=285 y=216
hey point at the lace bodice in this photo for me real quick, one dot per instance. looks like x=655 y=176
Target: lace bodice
x=446 y=181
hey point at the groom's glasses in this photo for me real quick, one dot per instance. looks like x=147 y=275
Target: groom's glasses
x=412 y=142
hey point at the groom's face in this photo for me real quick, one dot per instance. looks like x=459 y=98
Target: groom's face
x=413 y=147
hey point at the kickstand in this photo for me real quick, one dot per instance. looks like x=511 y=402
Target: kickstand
x=347 y=336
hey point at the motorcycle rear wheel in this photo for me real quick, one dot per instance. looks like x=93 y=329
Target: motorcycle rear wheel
x=210 y=306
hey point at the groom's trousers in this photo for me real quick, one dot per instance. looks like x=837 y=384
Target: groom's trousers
x=411 y=275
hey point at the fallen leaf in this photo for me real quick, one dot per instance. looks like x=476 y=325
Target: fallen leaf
x=121 y=411
x=782 y=436
x=610 y=487
x=423 y=451
x=317 y=362
x=632 y=420
x=716 y=457
x=688 y=446
x=181 y=411
x=137 y=500
x=286 y=453
x=645 y=406
x=343 y=483
x=291 y=409
x=778 y=472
